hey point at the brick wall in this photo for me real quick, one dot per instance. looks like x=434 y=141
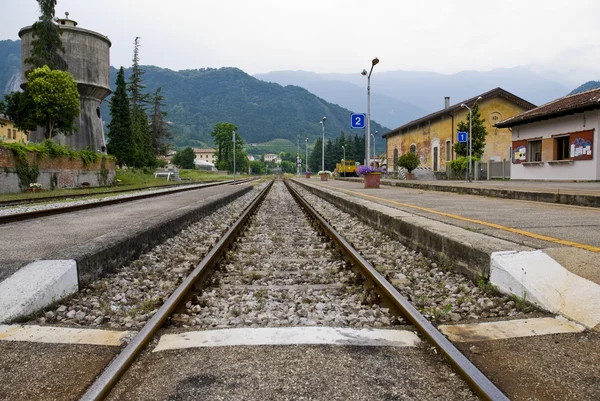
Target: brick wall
x=65 y=172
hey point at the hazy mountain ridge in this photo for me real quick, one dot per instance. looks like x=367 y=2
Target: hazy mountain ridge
x=10 y=65
x=387 y=110
x=423 y=91
x=586 y=87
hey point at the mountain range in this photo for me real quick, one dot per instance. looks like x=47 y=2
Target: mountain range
x=277 y=108
x=198 y=99
x=398 y=97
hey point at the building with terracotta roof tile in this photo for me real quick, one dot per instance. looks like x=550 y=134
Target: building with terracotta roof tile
x=558 y=140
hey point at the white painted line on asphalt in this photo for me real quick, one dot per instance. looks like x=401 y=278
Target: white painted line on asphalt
x=539 y=279
x=502 y=330
x=62 y=335
x=288 y=336
x=36 y=286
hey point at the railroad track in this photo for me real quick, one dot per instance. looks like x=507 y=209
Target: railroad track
x=245 y=267
x=15 y=217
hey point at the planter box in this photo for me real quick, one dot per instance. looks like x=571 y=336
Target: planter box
x=372 y=180
x=34 y=190
x=324 y=177
x=410 y=176
x=307 y=175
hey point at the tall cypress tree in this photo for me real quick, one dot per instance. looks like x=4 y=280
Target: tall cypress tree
x=46 y=43
x=143 y=155
x=160 y=129
x=120 y=128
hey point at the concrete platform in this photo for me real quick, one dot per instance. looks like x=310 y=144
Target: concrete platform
x=96 y=241
x=466 y=231
x=570 y=193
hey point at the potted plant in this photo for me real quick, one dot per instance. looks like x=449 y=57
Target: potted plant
x=35 y=187
x=307 y=174
x=324 y=174
x=371 y=175
x=409 y=161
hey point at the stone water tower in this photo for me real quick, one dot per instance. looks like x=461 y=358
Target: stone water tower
x=87 y=54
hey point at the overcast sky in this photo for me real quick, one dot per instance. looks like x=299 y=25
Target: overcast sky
x=336 y=35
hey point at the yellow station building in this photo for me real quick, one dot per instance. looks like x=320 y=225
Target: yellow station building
x=9 y=133
x=431 y=137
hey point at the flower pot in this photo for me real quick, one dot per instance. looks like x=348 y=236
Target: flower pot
x=372 y=180
x=324 y=177
x=410 y=176
x=307 y=175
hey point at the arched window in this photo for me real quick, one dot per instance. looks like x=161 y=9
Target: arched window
x=396 y=159
x=448 y=151
x=413 y=148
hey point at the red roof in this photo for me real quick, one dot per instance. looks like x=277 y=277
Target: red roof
x=571 y=104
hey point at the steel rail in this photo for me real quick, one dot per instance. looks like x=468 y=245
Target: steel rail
x=29 y=201
x=111 y=375
x=477 y=380
x=15 y=217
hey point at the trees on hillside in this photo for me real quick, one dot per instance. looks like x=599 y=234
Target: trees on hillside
x=222 y=134
x=479 y=134
x=355 y=150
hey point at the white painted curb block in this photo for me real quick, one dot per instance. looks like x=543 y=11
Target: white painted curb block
x=539 y=279
x=36 y=286
x=288 y=336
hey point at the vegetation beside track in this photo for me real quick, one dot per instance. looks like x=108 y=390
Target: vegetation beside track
x=129 y=179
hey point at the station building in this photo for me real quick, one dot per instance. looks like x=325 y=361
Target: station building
x=558 y=140
x=207 y=155
x=9 y=133
x=432 y=137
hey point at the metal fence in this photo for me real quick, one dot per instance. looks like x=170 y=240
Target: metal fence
x=500 y=169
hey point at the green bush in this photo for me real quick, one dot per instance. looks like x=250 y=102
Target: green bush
x=409 y=161
x=459 y=165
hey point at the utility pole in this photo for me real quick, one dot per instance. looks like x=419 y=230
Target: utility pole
x=233 y=140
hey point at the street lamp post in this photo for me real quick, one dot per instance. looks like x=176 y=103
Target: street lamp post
x=306 y=157
x=374 y=147
x=323 y=145
x=374 y=62
x=344 y=160
x=470 y=136
x=233 y=140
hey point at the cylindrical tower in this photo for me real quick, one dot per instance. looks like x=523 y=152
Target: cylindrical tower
x=87 y=54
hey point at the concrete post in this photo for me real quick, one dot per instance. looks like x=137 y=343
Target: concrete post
x=489 y=170
x=503 y=164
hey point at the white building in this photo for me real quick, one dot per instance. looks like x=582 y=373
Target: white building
x=272 y=158
x=558 y=140
x=206 y=155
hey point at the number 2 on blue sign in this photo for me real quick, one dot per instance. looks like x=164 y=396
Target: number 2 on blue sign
x=358 y=121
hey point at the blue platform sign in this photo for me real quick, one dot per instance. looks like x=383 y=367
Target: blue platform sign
x=358 y=121
x=462 y=136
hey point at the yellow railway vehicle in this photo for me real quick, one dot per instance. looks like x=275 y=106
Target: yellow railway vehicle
x=348 y=167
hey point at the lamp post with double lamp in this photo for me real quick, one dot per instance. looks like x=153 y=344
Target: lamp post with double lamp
x=322 y=122
x=306 y=157
x=344 y=160
x=470 y=136
x=374 y=62
x=233 y=140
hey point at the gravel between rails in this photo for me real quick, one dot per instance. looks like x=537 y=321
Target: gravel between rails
x=438 y=292
x=129 y=298
x=9 y=210
x=282 y=273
